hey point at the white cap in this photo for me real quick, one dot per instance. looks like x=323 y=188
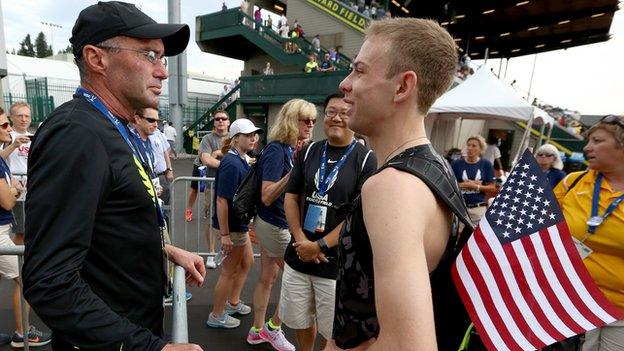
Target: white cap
x=243 y=125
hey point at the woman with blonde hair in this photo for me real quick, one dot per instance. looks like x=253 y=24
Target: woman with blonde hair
x=475 y=176
x=235 y=242
x=549 y=160
x=290 y=130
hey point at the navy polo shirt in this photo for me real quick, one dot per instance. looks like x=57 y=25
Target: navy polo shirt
x=6 y=217
x=481 y=170
x=274 y=164
x=231 y=172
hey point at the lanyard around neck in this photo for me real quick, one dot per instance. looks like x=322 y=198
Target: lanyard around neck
x=596 y=220
x=325 y=181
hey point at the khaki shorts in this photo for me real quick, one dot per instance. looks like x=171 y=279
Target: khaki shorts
x=238 y=238
x=274 y=240
x=607 y=338
x=8 y=264
x=305 y=299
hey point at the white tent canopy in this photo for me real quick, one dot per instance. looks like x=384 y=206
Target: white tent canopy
x=482 y=96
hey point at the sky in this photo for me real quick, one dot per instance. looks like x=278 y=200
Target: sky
x=587 y=79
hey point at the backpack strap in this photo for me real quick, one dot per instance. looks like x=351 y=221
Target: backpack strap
x=574 y=182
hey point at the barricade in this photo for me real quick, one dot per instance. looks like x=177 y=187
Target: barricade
x=179 y=329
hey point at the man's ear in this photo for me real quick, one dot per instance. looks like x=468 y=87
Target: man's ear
x=95 y=59
x=408 y=86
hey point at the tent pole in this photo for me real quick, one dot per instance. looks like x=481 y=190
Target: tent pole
x=550 y=131
x=500 y=65
x=506 y=65
x=531 y=80
x=461 y=121
x=486 y=55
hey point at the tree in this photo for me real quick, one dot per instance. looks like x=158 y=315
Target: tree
x=13 y=51
x=42 y=47
x=68 y=50
x=26 y=47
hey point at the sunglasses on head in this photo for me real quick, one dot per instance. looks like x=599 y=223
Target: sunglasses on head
x=220 y=119
x=5 y=125
x=613 y=119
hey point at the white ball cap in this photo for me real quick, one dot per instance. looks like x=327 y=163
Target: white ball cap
x=244 y=126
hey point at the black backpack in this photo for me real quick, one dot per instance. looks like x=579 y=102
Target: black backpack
x=451 y=319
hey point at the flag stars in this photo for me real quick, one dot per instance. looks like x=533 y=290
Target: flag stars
x=551 y=216
x=533 y=178
x=525 y=166
x=540 y=190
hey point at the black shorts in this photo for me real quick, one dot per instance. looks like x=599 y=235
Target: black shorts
x=195 y=174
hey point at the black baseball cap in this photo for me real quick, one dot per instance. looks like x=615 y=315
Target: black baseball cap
x=105 y=20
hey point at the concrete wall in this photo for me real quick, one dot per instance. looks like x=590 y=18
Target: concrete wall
x=258 y=63
x=332 y=32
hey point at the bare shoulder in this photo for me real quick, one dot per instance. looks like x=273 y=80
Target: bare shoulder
x=402 y=188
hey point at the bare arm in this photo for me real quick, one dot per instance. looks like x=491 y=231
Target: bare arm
x=272 y=190
x=310 y=251
x=209 y=160
x=293 y=213
x=17 y=142
x=404 y=236
x=8 y=195
x=224 y=225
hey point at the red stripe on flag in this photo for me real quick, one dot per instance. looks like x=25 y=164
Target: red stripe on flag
x=545 y=284
x=529 y=296
x=555 y=262
x=468 y=304
x=583 y=273
x=508 y=297
x=488 y=302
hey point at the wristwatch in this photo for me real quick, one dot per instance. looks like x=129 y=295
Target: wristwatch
x=323 y=245
x=169 y=170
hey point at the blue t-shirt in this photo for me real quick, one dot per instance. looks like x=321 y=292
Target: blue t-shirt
x=554 y=176
x=231 y=172
x=275 y=162
x=6 y=217
x=481 y=170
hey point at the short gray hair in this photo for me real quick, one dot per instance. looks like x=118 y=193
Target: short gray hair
x=552 y=150
x=82 y=69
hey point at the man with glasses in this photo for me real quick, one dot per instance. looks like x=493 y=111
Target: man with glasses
x=326 y=177
x=208 y=155
x=95 y=263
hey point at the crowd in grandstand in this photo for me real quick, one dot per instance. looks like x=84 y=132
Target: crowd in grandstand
x=361 y=238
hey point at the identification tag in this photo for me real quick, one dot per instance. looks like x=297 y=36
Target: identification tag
x=315 y=219
x=582 y=249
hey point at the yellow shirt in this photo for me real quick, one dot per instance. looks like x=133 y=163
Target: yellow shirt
x=606 y=263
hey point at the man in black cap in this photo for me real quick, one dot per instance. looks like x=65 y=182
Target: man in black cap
x=95 y=260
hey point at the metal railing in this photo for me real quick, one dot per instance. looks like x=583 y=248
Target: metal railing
x=18 y=251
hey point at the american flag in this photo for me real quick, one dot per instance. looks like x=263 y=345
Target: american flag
x=520 y=276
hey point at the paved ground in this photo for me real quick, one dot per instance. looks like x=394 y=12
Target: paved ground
x=199 y=306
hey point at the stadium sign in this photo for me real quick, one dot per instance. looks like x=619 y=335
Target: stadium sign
x=343 y=13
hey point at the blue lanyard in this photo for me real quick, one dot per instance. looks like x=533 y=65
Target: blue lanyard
x=145 y=147
x=324 y=181
x=126 y=135
x=595 y=220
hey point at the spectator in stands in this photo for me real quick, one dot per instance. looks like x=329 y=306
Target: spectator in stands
x=366 y=11
x=294 y=47
x=171 y=134
x=282 y=20
x=326 y=175
x=312 y=65
x=492 y=153
x=269 y=22
x=549 y=160
x=332 y=54
x=327 y=64
x=10 y=190
x=475 y=176
x=283 y=32
x=596 y=224
x=299 y=30
x=293 y=127
x=316 y=43
x=268 y=70
x=258 y=19
x=373 y=12
x=16 y=155
x=223 y=6
x=244 y=6
x=235 y=242
x=95 y=261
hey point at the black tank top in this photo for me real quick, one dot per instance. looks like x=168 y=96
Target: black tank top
x=355 y=318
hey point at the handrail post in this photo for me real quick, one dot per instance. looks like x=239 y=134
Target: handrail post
x=179 y=332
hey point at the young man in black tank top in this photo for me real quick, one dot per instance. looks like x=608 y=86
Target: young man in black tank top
x=398 y=231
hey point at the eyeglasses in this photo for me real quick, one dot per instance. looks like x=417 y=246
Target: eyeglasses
x=541 y=154
x=308 y=121
x=5 y=125
x=334 y=113
x=150 y=120
x=613 y=119
x=150 y=55
x=220 y=119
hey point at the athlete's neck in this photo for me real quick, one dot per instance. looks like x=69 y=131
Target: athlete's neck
x=240 y=151
x=400 y=134
x=116 y=105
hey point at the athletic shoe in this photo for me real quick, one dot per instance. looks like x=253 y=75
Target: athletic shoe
x=169 y=300
x=35 y=338
x=240 y=309
x=253 y=337
x=5 y=339
x=226 y=321
x=189 y=215
x=210 y=262
x=276 y=338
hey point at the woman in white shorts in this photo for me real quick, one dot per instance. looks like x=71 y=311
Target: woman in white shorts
x=292 y=128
